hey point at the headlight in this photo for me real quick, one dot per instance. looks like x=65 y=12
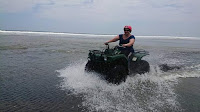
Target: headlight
x=134 y=58
x=105 y=58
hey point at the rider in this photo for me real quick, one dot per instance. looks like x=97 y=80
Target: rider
x=126 y=40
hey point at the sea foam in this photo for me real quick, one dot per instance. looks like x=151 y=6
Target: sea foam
x=90 y=35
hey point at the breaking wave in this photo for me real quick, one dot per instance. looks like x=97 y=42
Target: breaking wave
x=89 y=35
x=50 y=33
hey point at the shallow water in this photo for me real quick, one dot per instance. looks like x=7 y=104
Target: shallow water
x=45 y=72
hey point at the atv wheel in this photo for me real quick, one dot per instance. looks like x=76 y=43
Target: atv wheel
x=142 y=67
x=89 y=66
x=117 y=74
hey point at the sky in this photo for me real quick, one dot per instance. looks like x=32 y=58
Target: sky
x=147 y=17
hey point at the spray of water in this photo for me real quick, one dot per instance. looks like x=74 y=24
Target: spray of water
x=152 y=91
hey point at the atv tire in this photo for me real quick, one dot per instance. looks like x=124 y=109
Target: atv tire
x=117 y=74
x=142 y=67
x=89 y=66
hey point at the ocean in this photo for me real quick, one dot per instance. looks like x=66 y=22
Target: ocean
x=44 y=72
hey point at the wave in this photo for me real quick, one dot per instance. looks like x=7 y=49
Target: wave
x=169 y=37
x=90 y=35
x=48 y=33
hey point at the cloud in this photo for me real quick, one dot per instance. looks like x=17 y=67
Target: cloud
x=107 y=10
x=117 y=10
x=16 y=6
x=144 y=13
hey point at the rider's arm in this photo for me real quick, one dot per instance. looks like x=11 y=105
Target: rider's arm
x=131 y=42
x=113 y=40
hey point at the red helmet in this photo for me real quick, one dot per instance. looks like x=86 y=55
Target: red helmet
x=128 y=27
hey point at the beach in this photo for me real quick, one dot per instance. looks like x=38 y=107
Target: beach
x=44 y=71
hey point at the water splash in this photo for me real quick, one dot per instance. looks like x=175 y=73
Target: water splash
x=152 y=91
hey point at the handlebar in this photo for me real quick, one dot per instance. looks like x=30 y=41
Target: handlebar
x=120 y=46
x=107 y=46
x=117 y=46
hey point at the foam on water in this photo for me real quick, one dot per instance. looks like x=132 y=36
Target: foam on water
x=50 y=33
x=169 y=37
x=90 y=35
x=153 y=91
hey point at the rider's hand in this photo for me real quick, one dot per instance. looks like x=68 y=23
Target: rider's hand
x=123 y=45
x=106 y=43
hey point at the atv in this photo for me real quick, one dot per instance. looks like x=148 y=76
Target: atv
x=115 y=66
